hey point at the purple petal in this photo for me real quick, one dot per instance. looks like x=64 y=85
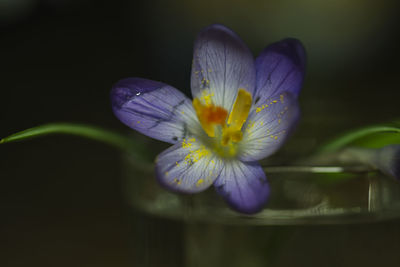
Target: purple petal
x=222 y=63
x=244 y=186
x=268 y=126
x=387 y=159
x=187 y=167
x=153 y=108
x=280 y=68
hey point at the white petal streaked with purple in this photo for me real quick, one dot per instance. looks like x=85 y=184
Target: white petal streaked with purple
x=154 y=109
x=222 y=63
x=268 y=125
x=243 y=185
x=188 y=167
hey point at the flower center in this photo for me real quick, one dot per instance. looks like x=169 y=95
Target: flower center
x=214 y=121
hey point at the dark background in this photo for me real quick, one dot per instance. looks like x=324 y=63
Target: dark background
x=60 y=197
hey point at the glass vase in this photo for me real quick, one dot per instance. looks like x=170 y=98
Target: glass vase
x=310 y=220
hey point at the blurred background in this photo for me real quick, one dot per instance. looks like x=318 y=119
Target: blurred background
x=61 y=201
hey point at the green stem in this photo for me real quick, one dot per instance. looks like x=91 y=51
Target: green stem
x=350 y=137
x=116 y=140
x=127 y=144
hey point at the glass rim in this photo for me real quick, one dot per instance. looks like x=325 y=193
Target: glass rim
x=377 y=200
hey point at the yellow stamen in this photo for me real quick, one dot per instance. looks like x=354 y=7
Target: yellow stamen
x=230 y=134
x=240 y=110
x=237 y=117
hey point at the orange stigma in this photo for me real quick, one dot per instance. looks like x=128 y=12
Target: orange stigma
x=209 y=116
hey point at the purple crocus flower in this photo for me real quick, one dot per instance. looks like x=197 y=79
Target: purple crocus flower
x=386 y=159
x=242 y=111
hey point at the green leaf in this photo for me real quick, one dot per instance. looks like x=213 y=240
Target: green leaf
x=378 y=140
x=372 y=136
x=114 y=139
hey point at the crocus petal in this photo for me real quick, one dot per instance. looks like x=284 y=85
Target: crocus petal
x=243 y=185
x=387 y=159
x=280 y=67
x=222 y=64
x=268 y=126
x=187 y=167
x=153 y=108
